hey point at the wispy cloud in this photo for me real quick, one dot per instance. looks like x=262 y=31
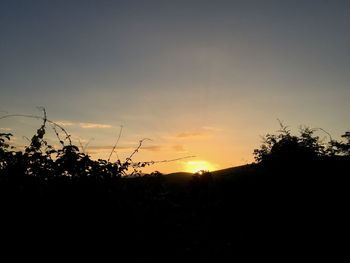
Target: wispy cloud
x=210 y=128
x=65 y=123
x=178 y=148
x=190 y=134
x=89 y=125
x=84 y=125
x=154 y=148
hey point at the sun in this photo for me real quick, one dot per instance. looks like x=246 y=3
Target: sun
x=195 y=166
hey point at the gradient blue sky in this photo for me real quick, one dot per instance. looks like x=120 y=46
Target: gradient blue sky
x=203 y=78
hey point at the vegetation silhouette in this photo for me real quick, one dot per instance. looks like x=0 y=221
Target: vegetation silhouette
x=294 y=195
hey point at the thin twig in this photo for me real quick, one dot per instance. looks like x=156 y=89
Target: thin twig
x=137 y=149
x=162 y=161
x=283 y=128
x=330 y=137
x=173 y=160
x=41 y=118
x=116 y=143
x=87 y=144
x=57 y=135
x=82 y=147
x=25 y=137
x=45 y=116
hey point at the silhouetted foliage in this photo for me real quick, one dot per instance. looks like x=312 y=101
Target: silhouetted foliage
x=341 y=148
x=296 y=190
x=292 y=159
x=287 y=147
x=40 y=159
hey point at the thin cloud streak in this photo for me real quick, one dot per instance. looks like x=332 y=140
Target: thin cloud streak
x=88 y=125
x=179 y=148
x=213 y=129
x=190 y=134
x=84 y=125
x=65 y=123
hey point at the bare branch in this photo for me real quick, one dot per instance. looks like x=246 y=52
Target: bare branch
x=87 y=144
x=162 y=161
x=116 y=143
x=173 y=160
x=57 y=135
x=137 y=149
x=330 y=136
x=40 y=118
x=26 y=138
x=82 y=147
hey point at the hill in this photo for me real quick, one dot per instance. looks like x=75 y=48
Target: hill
x=227 y=173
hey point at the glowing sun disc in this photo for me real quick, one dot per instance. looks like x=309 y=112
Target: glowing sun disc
x=195 y=166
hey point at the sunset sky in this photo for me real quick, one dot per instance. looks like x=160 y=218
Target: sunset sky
x=202 y=78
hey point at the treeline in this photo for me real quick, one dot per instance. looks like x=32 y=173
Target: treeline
x=294 y=195
x=42 y=160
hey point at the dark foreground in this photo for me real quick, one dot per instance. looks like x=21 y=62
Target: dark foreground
x=252 y=212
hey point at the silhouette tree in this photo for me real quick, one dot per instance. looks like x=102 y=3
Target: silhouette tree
x=285 y=147
x=340 y=148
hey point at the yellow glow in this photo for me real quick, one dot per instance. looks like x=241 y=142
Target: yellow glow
x=195 y=166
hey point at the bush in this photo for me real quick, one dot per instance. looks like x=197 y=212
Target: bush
x=285 y=147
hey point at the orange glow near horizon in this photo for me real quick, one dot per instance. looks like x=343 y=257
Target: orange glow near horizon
x=195 y=166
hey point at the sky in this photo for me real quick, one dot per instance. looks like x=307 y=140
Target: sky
x=197 y=78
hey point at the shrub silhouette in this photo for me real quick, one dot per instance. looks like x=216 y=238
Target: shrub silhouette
x=305 y=155
x=42 y=160
x=340 y=148
x=285 y=147
x=295 y=182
